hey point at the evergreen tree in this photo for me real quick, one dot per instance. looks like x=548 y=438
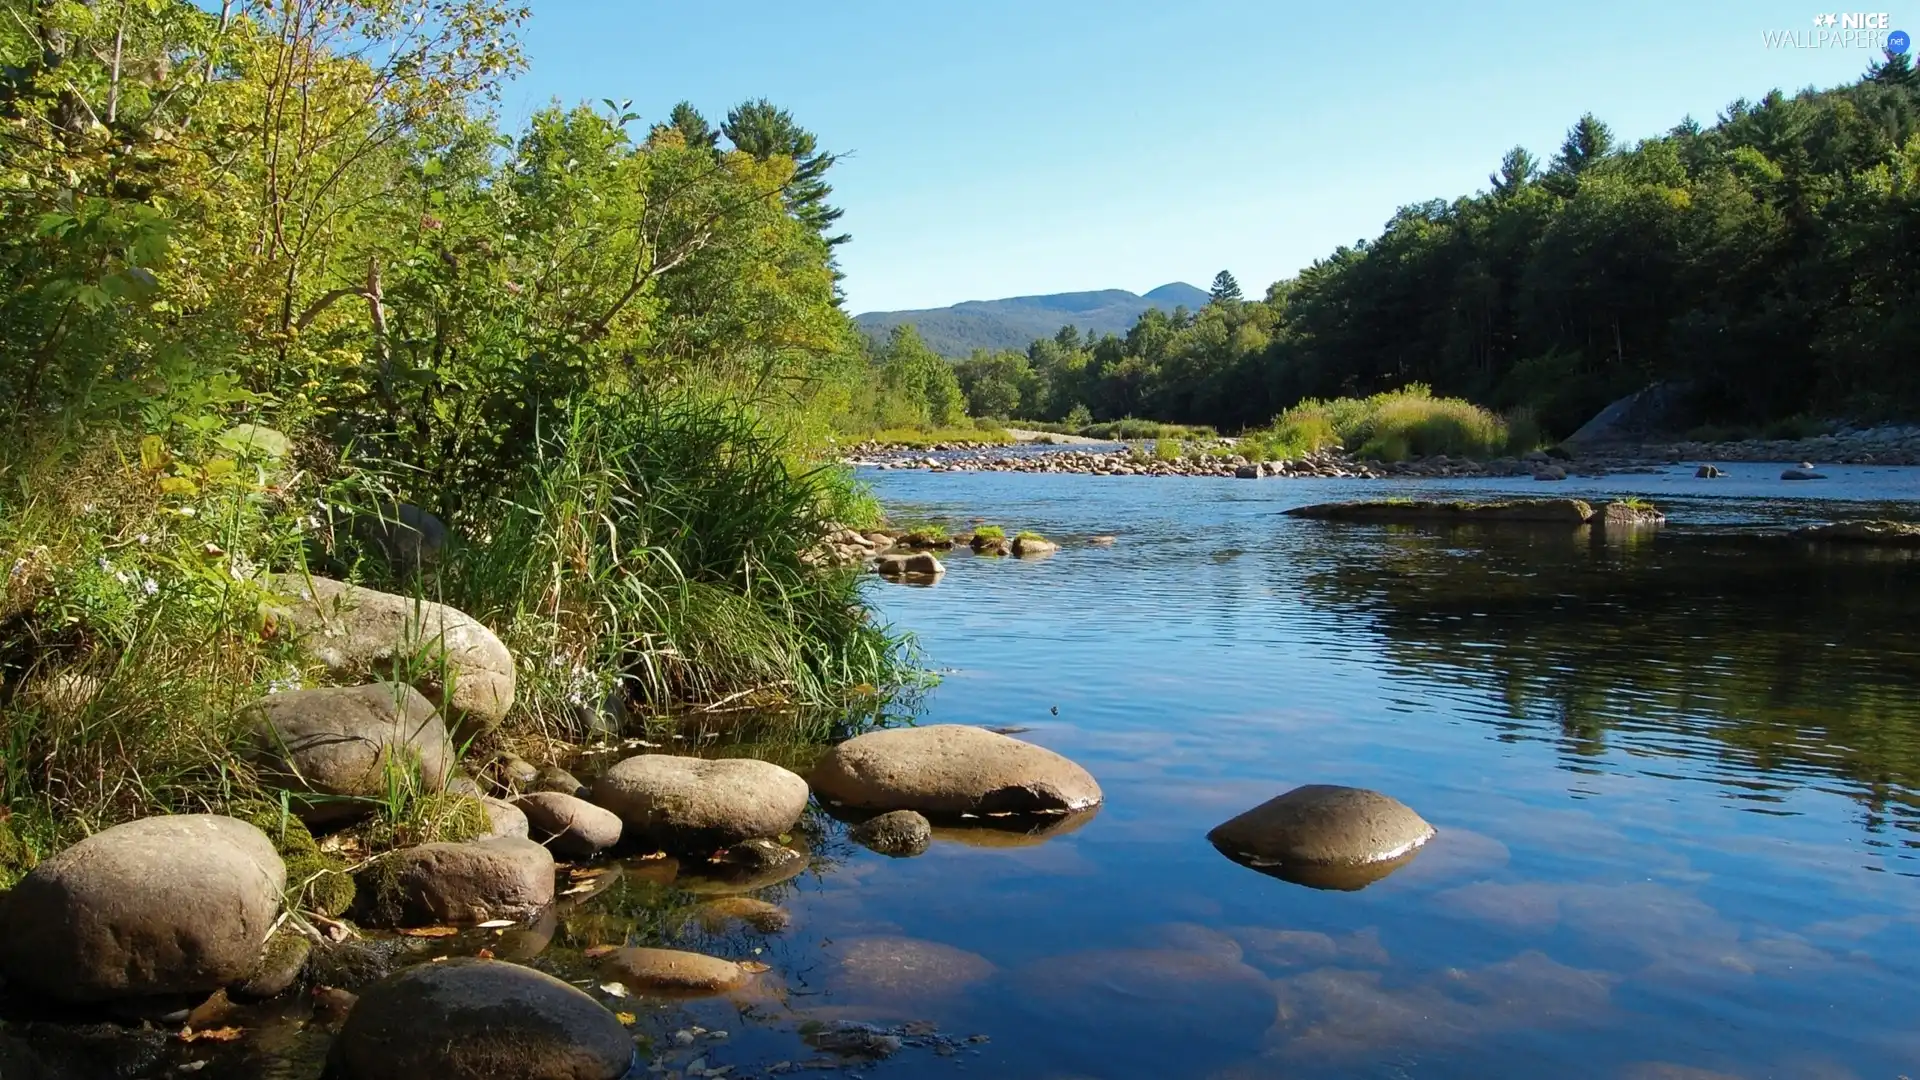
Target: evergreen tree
x=1587 y=142
x=764 y=130
x=1517 y=169
x=1225 y=290
x=692 y=126
x=1898 y=70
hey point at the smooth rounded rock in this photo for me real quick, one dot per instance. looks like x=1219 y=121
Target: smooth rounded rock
x=500 y=878
x=568 y=825
x=467 y=1019
x=887 y=968
x=920 y=564
x=333 y=747
x=748 y=866
x=505 y=818
x=951 y=769
x=898 y=833
x=694 y=804
x=555 y=778
x=672 y=972
x=445 y=653
x=1325 y=835
x=164 y=905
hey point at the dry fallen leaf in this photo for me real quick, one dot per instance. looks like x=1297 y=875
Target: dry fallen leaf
x=495 y=924
x=613 y=989
x=754 y=966
x=583 y=872
x=430 y=931
x=219 y=1034
x=577 y=889
x=594 y=952
x=484 y=954
x=625 y=1018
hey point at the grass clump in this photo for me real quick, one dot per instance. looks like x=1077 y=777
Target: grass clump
x=989 y=532
x=1392 y=426
x=1028 y=534
x=921 y=438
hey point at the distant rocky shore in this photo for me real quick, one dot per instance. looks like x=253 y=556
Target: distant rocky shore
x=1889 y=445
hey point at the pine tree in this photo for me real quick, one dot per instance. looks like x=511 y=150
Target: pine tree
x=1898 y=70
x=1225 y=290
x=764 y=130
x=692 y=126
x=1587 y=142
x=1517 y=169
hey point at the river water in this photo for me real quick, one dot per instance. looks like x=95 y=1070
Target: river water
x=1676 y=779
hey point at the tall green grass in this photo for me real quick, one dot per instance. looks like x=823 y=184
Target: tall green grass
x=1125 y=430
x=976 y=432
x=657 y=550
x=1392 y=426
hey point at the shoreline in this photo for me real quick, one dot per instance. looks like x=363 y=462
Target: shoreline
x=1891 y=445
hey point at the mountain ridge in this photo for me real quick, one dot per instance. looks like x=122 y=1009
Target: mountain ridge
x=1014 y=322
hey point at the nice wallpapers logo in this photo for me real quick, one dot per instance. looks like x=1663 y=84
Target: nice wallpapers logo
x=1844 y=30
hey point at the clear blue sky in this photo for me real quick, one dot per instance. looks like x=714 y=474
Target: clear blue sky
x=1006 y=148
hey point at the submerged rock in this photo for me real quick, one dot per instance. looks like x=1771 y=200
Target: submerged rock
x=898 y=833
x=333 y=747
x=1411 y=511
x=952 y=769
x=696 y=804
x=570 y=826
x=886 y=968
x=715 y=916
x=1882 y=533
x=464 y=1019
x=499 y=878
x=164 y=905
x=1325 y=836
x=748 y=866
x=1805 y=471
x=672 y=972
x=444 y=653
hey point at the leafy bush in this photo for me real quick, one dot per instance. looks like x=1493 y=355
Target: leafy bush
x=1390 y=427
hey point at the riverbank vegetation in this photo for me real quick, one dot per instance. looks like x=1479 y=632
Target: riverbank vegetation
x=1761 y=261
x=1391 y=426
x=276 y=272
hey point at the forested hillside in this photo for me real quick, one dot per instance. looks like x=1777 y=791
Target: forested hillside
x=1011 y=323
x=1766 y=261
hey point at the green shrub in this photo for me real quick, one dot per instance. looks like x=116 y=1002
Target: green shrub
x=1165 y=449
x=990 y=532
x=1391 y=426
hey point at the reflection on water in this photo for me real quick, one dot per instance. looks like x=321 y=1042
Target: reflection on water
x=1676 y=783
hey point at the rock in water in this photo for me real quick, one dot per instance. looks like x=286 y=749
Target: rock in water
x=673 y=973
x=899 y=833
x=1033 y=547
x=716 y=915
x=695 y=804
x=1708 y=472
x=354 y=630
x=555 y=778
x=1621 y=515
x=501 y=878
x=570 y=826
x=1325 y=836
x=1410 y=511
x=464 y=1019
x=164 y=905
x=920 y=564
x=332 y=746
x=952 y=769
x=1881 y=533
x=1806 y=471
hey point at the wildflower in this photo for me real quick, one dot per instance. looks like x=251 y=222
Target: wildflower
x=144 y=539
x=150 y=587
x=105 y=566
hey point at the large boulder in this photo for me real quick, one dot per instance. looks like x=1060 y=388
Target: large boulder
x=334 y=747
x=692 y=804
x=569 y=825
x=950 y=769
x=159 y=906
x=672 y=973
x=446 y=654
x=1325 y=836
x=407 y=537
x=505 y=877
x=465 y=1019
x=1616 y=516
x=919 y=564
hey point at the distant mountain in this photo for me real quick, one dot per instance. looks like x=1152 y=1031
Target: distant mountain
x=1013 y=323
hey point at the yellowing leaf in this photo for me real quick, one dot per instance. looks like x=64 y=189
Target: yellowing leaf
x=153 y=453
x=753 y=967
x=430 y=931
x=625 y=1018
x=220 y=467
x=178 y=485
x=594 y=952
x=219 y=1034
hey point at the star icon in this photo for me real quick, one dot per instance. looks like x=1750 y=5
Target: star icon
x=1829 y=20
x=1819 y=20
